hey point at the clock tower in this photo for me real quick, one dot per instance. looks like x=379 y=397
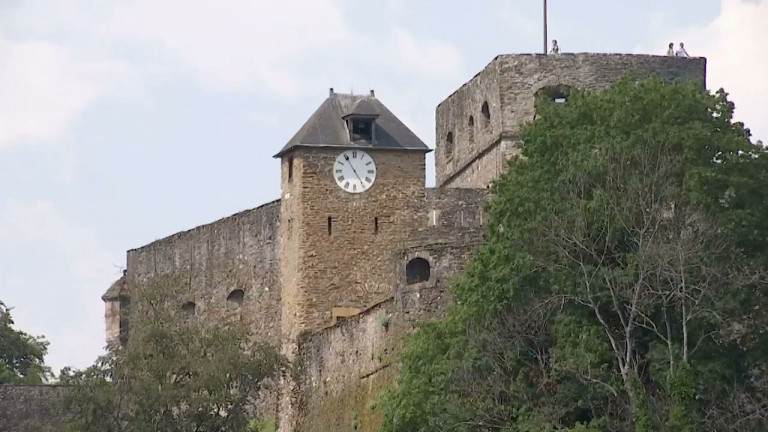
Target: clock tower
x=353 y=190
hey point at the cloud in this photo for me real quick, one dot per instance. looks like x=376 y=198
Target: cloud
x=44 y=87
x=426 y=57
x=734 y=44
x=242 y=45
x=233 y=44
x=57 y=271
x=60 y=57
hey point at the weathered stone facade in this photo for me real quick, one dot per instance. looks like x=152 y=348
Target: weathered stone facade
x=473 y=142
x=335 y=278
x=239 y=252
x=31 y=408
x=347 y=366
x=345 y=241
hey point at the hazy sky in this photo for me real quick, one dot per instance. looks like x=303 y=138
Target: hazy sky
x=122 y=122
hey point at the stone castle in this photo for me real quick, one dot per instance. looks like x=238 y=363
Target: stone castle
x=355 y=234
x=357 y=248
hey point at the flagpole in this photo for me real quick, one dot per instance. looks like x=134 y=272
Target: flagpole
x=545 y=26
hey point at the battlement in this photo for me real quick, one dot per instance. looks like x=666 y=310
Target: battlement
x=477 y=126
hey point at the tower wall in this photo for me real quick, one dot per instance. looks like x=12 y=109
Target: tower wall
x=345 y=267
x=509 y=85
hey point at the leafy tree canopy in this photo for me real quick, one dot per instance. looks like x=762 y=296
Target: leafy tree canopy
x=621 y=282
x=175 y=373
x=21 y=355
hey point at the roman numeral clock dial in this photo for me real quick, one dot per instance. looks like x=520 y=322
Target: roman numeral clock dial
x=354 y=171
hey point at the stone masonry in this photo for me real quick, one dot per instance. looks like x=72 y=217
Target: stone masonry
x=508 y=87
x=31 y=407
x=336 y=278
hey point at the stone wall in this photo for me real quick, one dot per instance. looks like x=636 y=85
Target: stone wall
x=448 y=209
x=31 y=408
x=510 y=83
x=235 y=253
x=213 y=261
x=428 y=299
x=346 y=367
x=343 y=255
x=453 y=116
x=487 y=164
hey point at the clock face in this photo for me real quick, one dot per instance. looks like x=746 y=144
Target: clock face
x=354 y=171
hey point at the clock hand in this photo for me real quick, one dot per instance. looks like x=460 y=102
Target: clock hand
x=353 y=169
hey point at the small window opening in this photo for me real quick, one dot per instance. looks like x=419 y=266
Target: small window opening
x=290 y=168
x=362 y=129
x=188 y=308
x=375 y=225
x=417 y=270
x=557 y=93
x=471 y=126
x=235 y=298
x=486 y=113
x=449 y=145
x=330 y=225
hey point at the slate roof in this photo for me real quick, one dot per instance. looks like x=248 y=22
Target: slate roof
x=327 y=128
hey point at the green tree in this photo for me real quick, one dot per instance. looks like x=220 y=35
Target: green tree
x=21 y=355
x=620 y=285
x=176 y=373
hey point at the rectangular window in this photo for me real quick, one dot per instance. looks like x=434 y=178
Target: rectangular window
x=375 y=225
x=362 y=129
x=330 y=225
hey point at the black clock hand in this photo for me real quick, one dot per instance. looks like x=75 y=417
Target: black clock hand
x=354 y=170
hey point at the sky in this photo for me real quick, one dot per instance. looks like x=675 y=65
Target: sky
x=125 y=121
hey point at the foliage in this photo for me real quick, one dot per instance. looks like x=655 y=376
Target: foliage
x=262 y=425
x=621 y=281
x=21 y=355
x=176 y=373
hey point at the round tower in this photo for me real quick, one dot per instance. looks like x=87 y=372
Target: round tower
x=477 y=127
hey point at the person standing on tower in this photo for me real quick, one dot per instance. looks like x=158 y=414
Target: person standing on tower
x=671 y=50
x=682 y=52
x=555 y=49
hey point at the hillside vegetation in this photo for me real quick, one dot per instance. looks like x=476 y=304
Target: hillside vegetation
x=621 y=285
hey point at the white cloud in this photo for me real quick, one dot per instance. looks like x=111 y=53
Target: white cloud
x=426 y=57
x=44 y=87
x=737 y=58
x=233 y=44
x=54 y=272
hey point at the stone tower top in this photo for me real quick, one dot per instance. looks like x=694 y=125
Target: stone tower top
x=345 y=120
x=477 y=126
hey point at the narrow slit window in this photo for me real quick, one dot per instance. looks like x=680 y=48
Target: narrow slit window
x=449 y=145
x=330 y=225
x=471 y=127
x=290 y=168
x=375 y=225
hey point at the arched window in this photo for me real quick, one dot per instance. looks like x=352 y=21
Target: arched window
x=556 y=93
x=486 y=113
x=471 y=127
x=188 y=308
x=417 y=270
x=235 y=298
x=449 y=145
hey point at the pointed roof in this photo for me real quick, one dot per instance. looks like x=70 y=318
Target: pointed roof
x=327 y=126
